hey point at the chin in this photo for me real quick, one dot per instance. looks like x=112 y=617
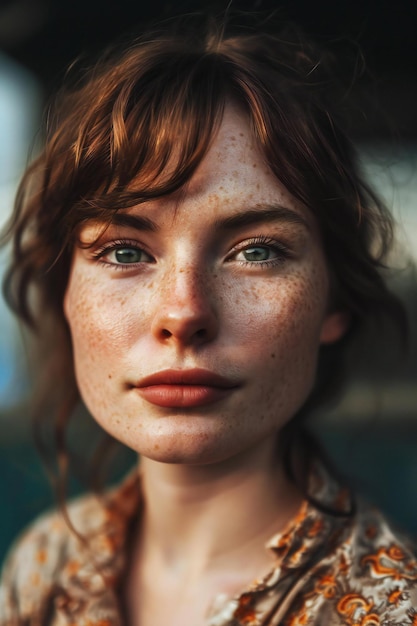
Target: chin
x=182 y=448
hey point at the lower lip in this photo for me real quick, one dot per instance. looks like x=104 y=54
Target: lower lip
x=178 y=396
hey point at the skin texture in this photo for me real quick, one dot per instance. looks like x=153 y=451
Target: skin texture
x=197 y=298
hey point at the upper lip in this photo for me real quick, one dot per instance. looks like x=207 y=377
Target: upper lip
x=187 y=377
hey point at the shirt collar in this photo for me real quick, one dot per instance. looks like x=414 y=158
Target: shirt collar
x=105 y=555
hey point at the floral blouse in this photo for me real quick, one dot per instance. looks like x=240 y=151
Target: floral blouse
x=326 y=570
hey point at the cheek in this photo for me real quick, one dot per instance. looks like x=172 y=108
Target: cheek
x=96 y=317
x=100 y=332
x=100 y=322
x=281 y=336
x=289 y=311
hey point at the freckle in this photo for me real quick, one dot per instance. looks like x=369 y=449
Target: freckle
x=110 y=376
x=254 y=165
x=273 y=355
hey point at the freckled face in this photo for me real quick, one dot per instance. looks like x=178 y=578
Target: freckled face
x=230 y=279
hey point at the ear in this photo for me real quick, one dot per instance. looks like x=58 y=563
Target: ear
x=334 y=326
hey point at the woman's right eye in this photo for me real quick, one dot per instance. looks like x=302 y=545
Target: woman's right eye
x=127 y=256
x=122 y=254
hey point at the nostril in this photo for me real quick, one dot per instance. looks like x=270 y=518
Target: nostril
x=184 y=327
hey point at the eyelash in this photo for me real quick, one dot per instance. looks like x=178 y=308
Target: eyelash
x=116 y=245
x=282 y=252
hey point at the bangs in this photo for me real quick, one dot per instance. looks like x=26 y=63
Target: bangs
x=148 y=128
x=142 y=123
x=137 y=126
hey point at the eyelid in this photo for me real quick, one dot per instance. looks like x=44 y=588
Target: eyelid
x=261 y=241
x=282 y=250
x=101 y=251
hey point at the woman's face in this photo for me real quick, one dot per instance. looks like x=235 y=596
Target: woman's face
x=196 y=321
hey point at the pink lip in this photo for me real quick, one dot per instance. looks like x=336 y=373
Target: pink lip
x=184 y=388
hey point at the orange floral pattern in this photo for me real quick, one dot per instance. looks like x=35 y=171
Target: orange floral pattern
x=326 y=570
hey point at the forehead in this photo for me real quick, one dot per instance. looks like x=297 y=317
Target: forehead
x=232 y=149
x=232 y=178
x=234 y=175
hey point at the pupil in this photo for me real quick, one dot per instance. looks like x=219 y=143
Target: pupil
x=257 y=254
x=127 y=255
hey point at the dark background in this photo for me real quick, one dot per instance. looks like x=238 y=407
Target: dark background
x=44 y=36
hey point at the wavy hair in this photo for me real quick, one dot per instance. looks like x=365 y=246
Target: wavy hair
x=157 y=103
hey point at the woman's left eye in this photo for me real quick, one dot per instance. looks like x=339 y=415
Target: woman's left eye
x=259 y=253
x=256 y=254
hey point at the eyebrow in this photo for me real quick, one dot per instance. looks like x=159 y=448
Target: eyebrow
x=139 y=222
x=268 y=213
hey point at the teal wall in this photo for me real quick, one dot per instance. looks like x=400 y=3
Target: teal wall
x=380 y=463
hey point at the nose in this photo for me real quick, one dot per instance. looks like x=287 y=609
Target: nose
x=185 y=313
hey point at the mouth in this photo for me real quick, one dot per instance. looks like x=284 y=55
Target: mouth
x=184 y=388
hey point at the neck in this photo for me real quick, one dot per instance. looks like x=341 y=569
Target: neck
x=203 y=518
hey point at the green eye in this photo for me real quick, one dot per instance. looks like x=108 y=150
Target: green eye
x=261 y=251
x=127 y=256
x=121 y=254
x=257 y=253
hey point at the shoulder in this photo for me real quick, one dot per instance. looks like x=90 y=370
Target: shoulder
x=67 y=562
x=364 y=573
x=384 y=567
x=371 y=576
x=47 y=549
x=377 y=549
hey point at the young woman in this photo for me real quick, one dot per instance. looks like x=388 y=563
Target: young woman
x=198 y=241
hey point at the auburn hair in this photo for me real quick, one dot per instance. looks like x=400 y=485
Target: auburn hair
x=157 y=103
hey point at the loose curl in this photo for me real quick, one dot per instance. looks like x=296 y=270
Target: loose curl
x=137 y=125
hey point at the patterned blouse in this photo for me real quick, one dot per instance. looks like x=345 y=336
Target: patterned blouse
x=327 y=570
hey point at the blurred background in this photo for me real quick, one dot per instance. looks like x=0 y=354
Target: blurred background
x=372 y=432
